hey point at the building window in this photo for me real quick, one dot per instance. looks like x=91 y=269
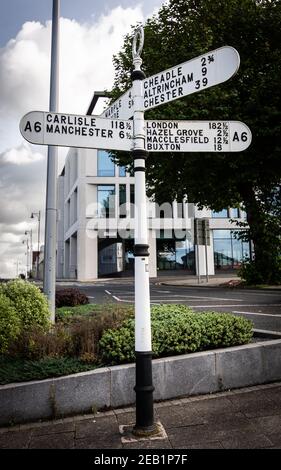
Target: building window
x=106 y=201
x=175 y=254
x=122 y=171
x=228 y=250
x=220 y=214
x=106 y=166
x=235 y=212
x=122 y=200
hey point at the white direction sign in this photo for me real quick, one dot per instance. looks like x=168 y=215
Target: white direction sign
x=71 y=130
x=197 y=136
x=197 y=74
x=122 y=108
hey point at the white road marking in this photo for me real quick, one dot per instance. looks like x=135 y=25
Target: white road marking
x=107 y=291
x=260 y=314
x=244 y=305
x=116 y=298
x=204 y=297
x=265 y=294
x=181 y=296
x=90 y=297
x=164 y=291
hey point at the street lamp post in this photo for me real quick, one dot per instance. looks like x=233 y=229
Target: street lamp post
x=38 y=215
x=17 y=263
x=29 y=232
x=49 y=278
x=27 y=255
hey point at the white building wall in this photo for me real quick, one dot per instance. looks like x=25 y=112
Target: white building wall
x=78 y=203
x=60 y=227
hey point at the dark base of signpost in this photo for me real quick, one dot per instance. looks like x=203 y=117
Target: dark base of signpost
x=145 y=425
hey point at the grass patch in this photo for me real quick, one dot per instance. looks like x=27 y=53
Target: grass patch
x=65 y=314
x=20 y=370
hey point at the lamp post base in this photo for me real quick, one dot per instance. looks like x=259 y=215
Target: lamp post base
x=144 y=395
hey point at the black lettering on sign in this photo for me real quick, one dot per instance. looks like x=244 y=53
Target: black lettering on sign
x=243 y=137
x=28 y=127
x=37 y=126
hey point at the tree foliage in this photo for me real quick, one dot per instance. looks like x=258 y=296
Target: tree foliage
x=182 y=30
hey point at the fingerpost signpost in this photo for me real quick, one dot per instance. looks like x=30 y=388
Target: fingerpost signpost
x=115 y=130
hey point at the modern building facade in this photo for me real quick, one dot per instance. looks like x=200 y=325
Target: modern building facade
x=96 y=226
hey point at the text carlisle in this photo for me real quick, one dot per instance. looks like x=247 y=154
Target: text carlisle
x=69 y=130
x=197 y=136
x=197 y=74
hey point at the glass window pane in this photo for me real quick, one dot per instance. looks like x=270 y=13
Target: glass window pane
x=222 y=253
x=105 y=164
x=234 y=212
x=246 y=249
x=122 y=171
x=237 y=252
x=106 y=201
x=166 y=257
x=222 y=234
x=220 y=214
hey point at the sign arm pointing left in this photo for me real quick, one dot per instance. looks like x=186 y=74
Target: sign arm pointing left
x=71 y=130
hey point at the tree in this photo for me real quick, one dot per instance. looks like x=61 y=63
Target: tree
x=182 y=30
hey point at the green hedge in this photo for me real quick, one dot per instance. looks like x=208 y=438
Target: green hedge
x=9 y=323
x=19 y=370
x=176 y=329
x=29 y=303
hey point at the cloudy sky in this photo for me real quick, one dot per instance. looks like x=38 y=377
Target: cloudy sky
x=91 y=31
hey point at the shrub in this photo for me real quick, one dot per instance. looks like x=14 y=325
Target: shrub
x=177 y=330
x=223 y=329
x=254 y=274
x=75 y=336
x=19 y=370
x=248 y=272
x=9 y=323
x=70 y=298
x=30 y=304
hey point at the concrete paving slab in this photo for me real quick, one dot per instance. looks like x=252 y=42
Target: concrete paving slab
x=259 y=442
x=15 y=440
x=99 y=442
x=214 y=407
x=276 y=440
x=269 y=424
x=54 y=429
x=96 y=427
x=164 y=444
x=255 y=405
x=53 y=441
x=179 y=416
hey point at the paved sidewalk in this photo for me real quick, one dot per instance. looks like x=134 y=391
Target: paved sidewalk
x=246 y=418
x=214 y=281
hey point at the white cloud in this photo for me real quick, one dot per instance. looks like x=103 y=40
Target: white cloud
x=86 y=52
x=21 y=155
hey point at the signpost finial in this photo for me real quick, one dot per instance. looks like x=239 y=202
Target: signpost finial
x=137 y=46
